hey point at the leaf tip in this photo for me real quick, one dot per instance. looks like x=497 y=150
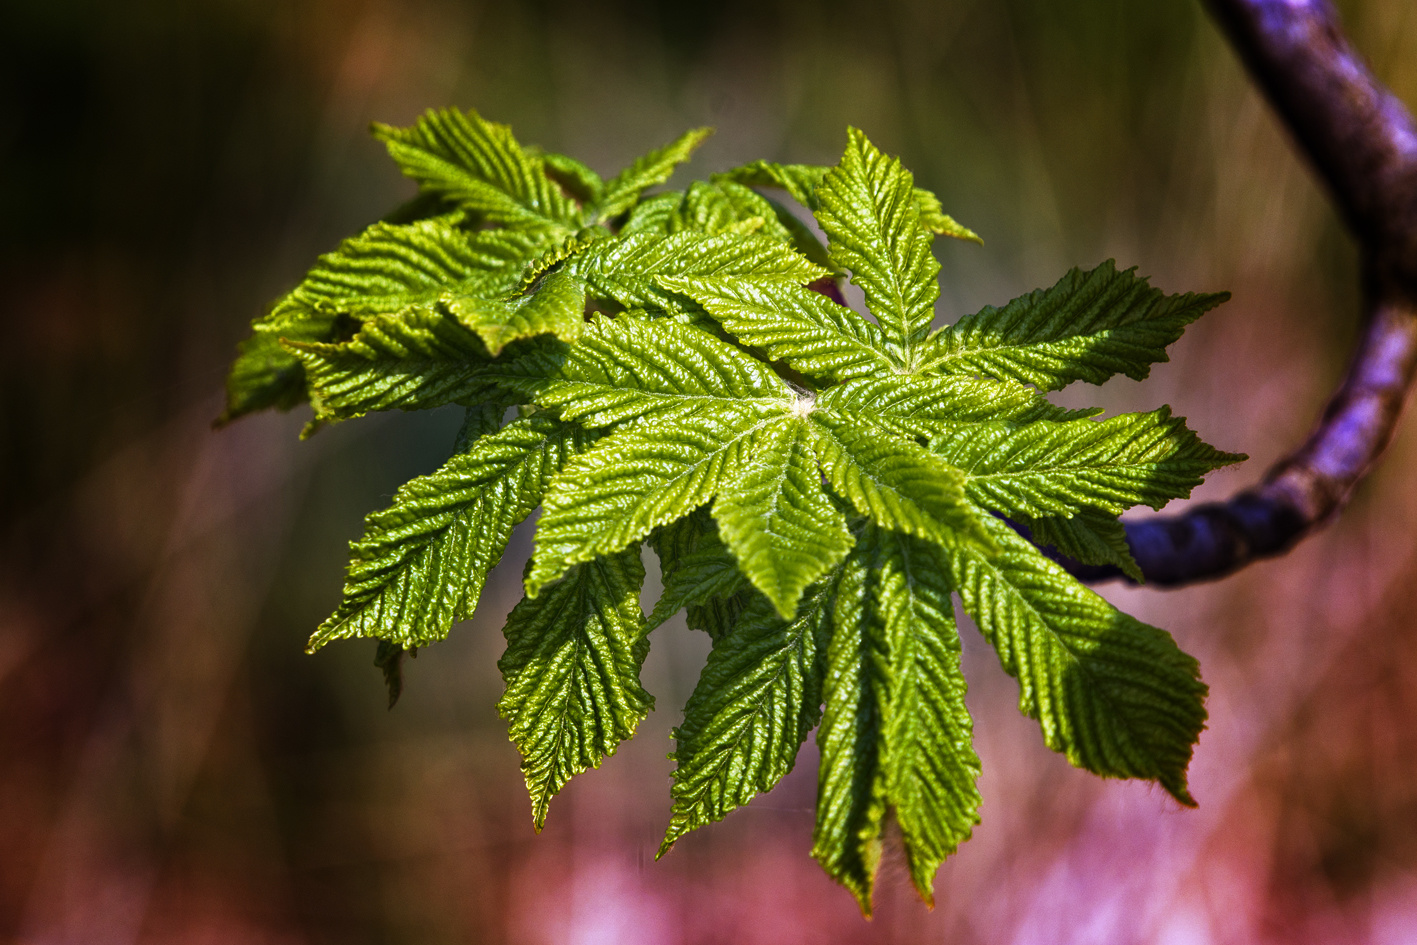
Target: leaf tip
x=1175 y=785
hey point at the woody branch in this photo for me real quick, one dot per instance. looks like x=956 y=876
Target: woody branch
x=1363 y=143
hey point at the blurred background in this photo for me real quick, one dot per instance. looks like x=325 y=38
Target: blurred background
x=173 y=768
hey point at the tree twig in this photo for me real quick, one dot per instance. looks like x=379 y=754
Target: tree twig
x=1363 y=143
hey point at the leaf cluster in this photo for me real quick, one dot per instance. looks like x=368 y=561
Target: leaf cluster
x=819 y=485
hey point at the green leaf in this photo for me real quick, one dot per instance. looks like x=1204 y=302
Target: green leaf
x=582 y=183
x=479 y=166
x=772 y=513
x=729 y=207
x=927 y=756
x=897 y=484
x=478 y=421
x=387 y=269
x=756 y=700
x=642 y=476
x=1088 y=537
x=555 y=306
x=265 y=375
x=801 y=182
x=1115 y=695
x=911 y=405
x=572 y=671
x=896 y=730
x=705 y=208
x=1059 y=469
x=422 y=358
x=804 y=328
x=624 y=190
x=851 y=796
x=421 y=563
x=866 y=206
x=718 y=616
x=627 y=367
x=652 y=215
x=934 y=218
x=1088 y=327
x=697 y=570
x=388 y=658
x=626 y=269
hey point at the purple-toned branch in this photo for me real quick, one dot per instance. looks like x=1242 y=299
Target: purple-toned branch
x=1363 y=143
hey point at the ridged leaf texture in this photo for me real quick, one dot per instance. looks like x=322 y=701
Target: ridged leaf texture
x=627 y=368
x=790 y=323
x=572 y=670
x=627 y=270
x=1088 y=327
x=388 y=270
x=867 y=209
x=1115 y=695
x=478 y=166
x=623 y=190
x=1059 y=469
x=421 y=563
x=801 y=180
x=774 y=516
x=896 y=734
x=756 y=700
x=819 y=483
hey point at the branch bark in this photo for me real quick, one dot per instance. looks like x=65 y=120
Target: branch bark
x=1363 y=143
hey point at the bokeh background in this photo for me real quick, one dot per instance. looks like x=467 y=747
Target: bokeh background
x=174 y=769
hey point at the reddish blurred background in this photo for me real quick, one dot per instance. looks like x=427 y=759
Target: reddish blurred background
x=174 y=769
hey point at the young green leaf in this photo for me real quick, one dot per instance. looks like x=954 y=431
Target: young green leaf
x=912 y=405
x=479 y=166
x=479 y=420
x=773 y=515
x=895 y=483
x=582 y=183
x=625 y=368
x=652 y=214
x=697 y=569
x=756 y=700
x=927 y=757
x=387 y=269
x=637 y=478
x=572 y=671
x=794 y=324
x=422 y=562
x=1088 y=327
x=705 y=208
x=801 y=182
x=556 y=306
x=896 y=729
x=265 y=375
x=1115 y=695
x=626 y=270
x=1089 y=537
x=421 y=358
x=1050 y=469
x=624 y=190
x=867 y=207
x=934 y=218
x=851 y=789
